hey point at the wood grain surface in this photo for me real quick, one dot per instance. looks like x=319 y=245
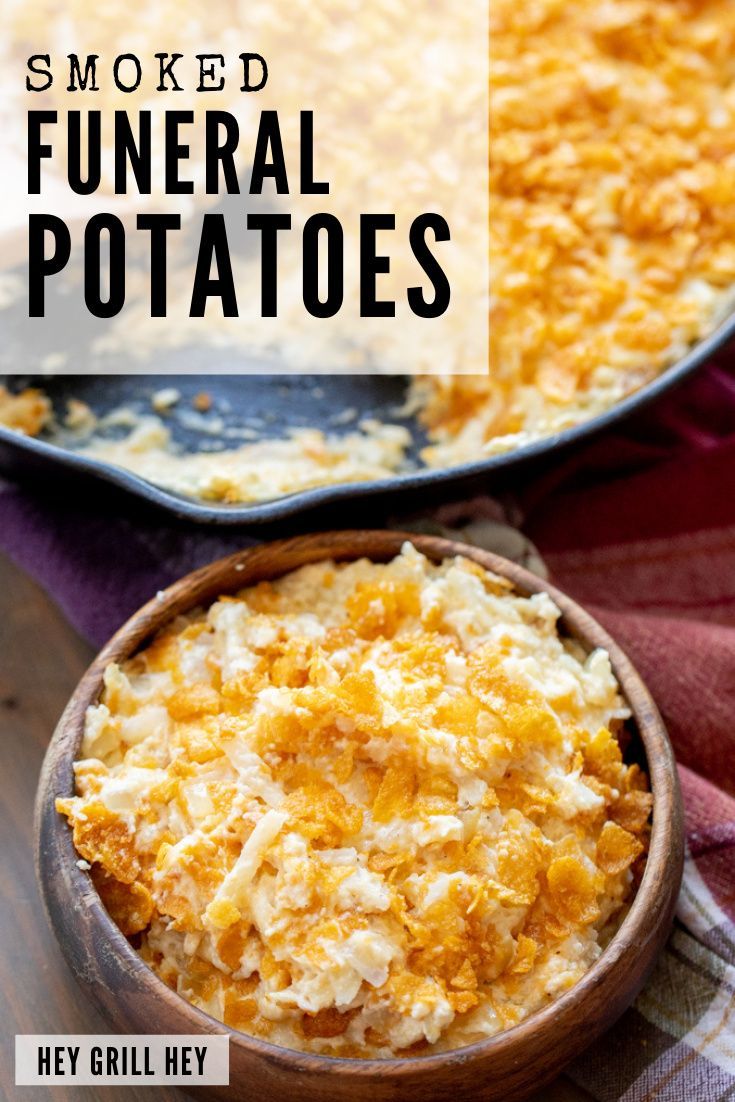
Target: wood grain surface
x=41 y=660
x=506 y=1066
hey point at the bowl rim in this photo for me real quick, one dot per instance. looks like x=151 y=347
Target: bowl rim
x=285 y=506
x=656 y=891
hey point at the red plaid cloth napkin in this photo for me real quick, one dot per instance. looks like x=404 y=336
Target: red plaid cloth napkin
x=640 y=528
x=645 y=538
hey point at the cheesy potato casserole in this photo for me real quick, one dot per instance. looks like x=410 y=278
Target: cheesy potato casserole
x=612 y=222
x=364 y=810
x=257 y=471
x=611 y=244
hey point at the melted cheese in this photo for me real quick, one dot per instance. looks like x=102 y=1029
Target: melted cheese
x=364 y=808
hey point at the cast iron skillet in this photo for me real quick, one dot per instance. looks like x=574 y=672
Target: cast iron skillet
x=277 y=403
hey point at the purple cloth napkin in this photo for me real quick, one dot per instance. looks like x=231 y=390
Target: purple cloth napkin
x=100 y=558
x=99 y=565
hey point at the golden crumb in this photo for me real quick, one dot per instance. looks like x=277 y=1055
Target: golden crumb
x=28 y=411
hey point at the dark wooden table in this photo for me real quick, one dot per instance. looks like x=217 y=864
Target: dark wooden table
x=41 y=659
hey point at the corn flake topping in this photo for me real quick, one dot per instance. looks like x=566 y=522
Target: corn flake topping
x=612 y=220
x=364 y=810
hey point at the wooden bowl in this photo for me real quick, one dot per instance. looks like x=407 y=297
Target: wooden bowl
x=501 y=1069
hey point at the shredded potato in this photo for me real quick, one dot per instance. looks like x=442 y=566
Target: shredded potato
x=364 y=808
